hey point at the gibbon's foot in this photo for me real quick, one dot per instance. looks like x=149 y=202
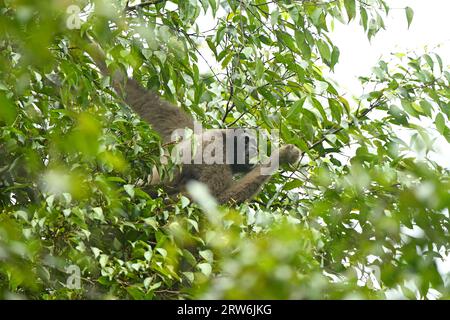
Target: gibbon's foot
x=289 y=154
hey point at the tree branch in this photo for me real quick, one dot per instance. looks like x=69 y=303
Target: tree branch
x=379 y=101
x=142 y=5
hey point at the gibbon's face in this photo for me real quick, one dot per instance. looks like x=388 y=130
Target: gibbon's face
x=250 y=151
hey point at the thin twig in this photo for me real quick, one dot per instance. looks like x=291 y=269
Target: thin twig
x=142 y=4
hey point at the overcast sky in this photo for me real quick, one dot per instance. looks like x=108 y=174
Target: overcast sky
x=430 y=29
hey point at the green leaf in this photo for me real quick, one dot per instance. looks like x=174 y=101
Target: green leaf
x=266 y=94
x=440 y=123
x=8 y=110
x=409 y=15
x=294 y=111
x=205 y=268
x=259 y=69
x=364 y=17
x=227 y=59
x=350 y=7
x=429 y=60
x=98 y=214
x=212 y=46
x=316 y=103
x=287 y=40
x=336 y=110
x=324 y=51
x=274 y=17
x=441 y=64
x=184 y=202
x=213 y=5
x=295 y=183
x=148 y=255
x=207 y=255
x=426 y=107
x=334 y=56
x=129 y=188
x=408 y=107
x=204 y=5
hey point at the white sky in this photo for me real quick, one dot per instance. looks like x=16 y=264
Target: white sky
x=430 y=27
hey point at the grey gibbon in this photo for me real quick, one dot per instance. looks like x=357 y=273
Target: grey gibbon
x=164 y=118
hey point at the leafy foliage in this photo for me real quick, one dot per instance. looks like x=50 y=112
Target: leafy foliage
x=365 y=213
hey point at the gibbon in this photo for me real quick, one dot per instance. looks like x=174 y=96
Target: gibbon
x=165 y=118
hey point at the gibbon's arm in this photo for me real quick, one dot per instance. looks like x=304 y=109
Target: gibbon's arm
x=245 y=188
x=250 y=184
x=161 y=115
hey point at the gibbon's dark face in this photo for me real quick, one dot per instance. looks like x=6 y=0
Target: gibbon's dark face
x=250 y=150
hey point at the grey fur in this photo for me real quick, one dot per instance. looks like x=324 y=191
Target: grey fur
x=165 y=118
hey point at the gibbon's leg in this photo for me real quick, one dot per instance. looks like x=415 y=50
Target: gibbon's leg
x=249 y=185
x=164 y=117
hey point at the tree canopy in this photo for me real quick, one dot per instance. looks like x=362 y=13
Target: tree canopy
x=365 y=214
